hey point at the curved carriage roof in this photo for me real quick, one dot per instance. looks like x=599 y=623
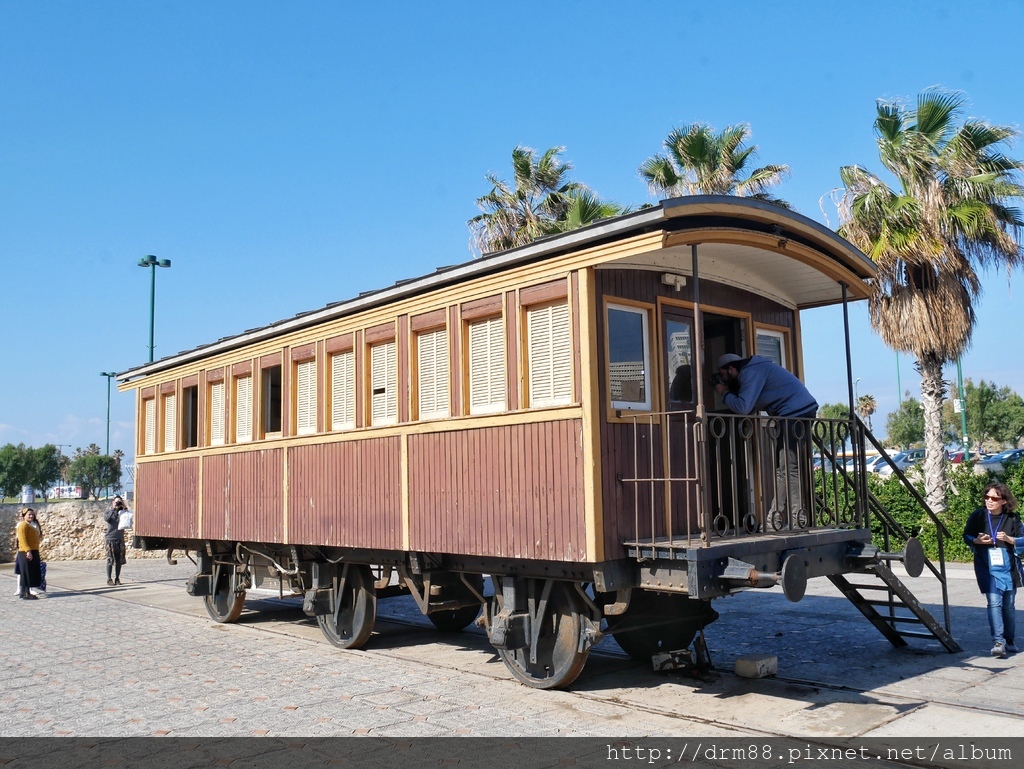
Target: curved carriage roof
x=761 y=247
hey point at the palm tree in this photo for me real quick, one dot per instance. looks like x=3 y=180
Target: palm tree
x=950 y=217
x=866 y=406
x=700 y=162
x=514 y=215
x=582 y=207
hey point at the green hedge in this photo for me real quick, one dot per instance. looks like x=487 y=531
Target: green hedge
x=964 y=495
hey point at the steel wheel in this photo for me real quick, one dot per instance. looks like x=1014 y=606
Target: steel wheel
x=558 y=659
x=225 y=605
x=659 y=622
x=355 y=608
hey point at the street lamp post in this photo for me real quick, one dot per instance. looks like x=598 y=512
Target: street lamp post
x=109 y=376
x=152 y=262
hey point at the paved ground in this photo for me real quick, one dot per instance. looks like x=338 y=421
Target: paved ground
x=144 y=659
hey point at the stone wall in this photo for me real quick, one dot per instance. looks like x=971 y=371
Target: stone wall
x=72 y=531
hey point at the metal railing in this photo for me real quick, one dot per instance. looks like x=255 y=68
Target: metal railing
x=696 y=481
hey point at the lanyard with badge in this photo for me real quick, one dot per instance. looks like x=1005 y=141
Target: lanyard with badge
x=996 y=553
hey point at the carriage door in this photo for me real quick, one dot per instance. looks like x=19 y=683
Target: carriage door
x=680 y=396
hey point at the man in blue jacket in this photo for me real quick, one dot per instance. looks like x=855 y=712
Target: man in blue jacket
x=753 y=384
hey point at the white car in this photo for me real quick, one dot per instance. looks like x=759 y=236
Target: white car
x=904 y=461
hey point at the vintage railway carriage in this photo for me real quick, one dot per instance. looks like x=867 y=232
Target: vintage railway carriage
x=541 y=416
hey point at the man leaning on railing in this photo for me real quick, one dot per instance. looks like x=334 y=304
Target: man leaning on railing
x=756 y=384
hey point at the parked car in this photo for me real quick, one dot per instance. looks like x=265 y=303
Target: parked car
x=999 y=462
x=904 y=460
x=956 y=457
x=820 y=463
x=875 y=464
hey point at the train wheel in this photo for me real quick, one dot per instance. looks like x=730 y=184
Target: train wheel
x=659 y=622
x=459 y=619
x=225 y=605
x=350 y=624
x=558 y=660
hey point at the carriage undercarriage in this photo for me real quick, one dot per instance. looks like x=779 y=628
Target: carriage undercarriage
x=542 y=617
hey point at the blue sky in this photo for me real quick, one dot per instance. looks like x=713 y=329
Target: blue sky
x=287 y=155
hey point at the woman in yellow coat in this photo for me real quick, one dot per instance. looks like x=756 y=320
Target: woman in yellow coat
x=28 y=554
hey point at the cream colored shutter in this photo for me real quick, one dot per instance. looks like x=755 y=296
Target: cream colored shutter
x=550 y=355
x=243 y=409
x=150 y=447
x=170 y=422
x=343 y=392
x=432 y=357
x=486 y=366
x=217 y=414
x=305 y=402
x=384 y=384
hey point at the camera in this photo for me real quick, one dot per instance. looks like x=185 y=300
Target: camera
x=716 y=379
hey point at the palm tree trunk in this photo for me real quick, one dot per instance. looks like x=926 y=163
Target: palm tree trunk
x=933 y=392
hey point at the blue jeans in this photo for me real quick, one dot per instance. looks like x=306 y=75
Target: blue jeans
x=1001 y=618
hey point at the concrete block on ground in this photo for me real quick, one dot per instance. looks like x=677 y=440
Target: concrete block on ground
x=757 y=665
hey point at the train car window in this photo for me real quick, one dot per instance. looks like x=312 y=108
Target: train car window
x=190 y=416
x=170 y=422
x=679 y=364
x=549 y=355
x=384 y=384
x=772 y=345
x=343 y=391
x=243 y=409
x=487 y=387
x=629 y=358
x=217 y=414
x=432 y=374
x=270 y=401
x=305 y=398
x=149 y=442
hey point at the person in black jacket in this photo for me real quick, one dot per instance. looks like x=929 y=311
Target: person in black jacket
x=995 y=532
x=113 y=541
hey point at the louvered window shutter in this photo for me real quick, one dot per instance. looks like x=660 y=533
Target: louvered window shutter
x=343 y=394
x=243 y=409
x=432 y=356
x=170 y=423
x=486 y=366
x=217 y=414
x=550 y=355
x=305 y=401
x=384 y=384
x=150 y=447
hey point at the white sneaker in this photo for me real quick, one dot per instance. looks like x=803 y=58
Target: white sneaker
x=999 y=650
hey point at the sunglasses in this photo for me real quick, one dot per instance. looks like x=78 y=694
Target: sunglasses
x=994 y=499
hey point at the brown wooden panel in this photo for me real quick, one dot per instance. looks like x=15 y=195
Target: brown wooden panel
x=382 y=333
x=243 y=496
x=168 y=387
x=512 y=491
x=190 y=381
x=346 y=494
x=545 y=292
x=342 y=343
x=274 y=359
x=167 y=498
x=482 y=308
x=215 y=375
x=429 y=320
x=304 y=352
x=242 y=369
x=147 y=392
x=576 y=329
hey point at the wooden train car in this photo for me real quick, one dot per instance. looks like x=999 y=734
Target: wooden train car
x=540 y=416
